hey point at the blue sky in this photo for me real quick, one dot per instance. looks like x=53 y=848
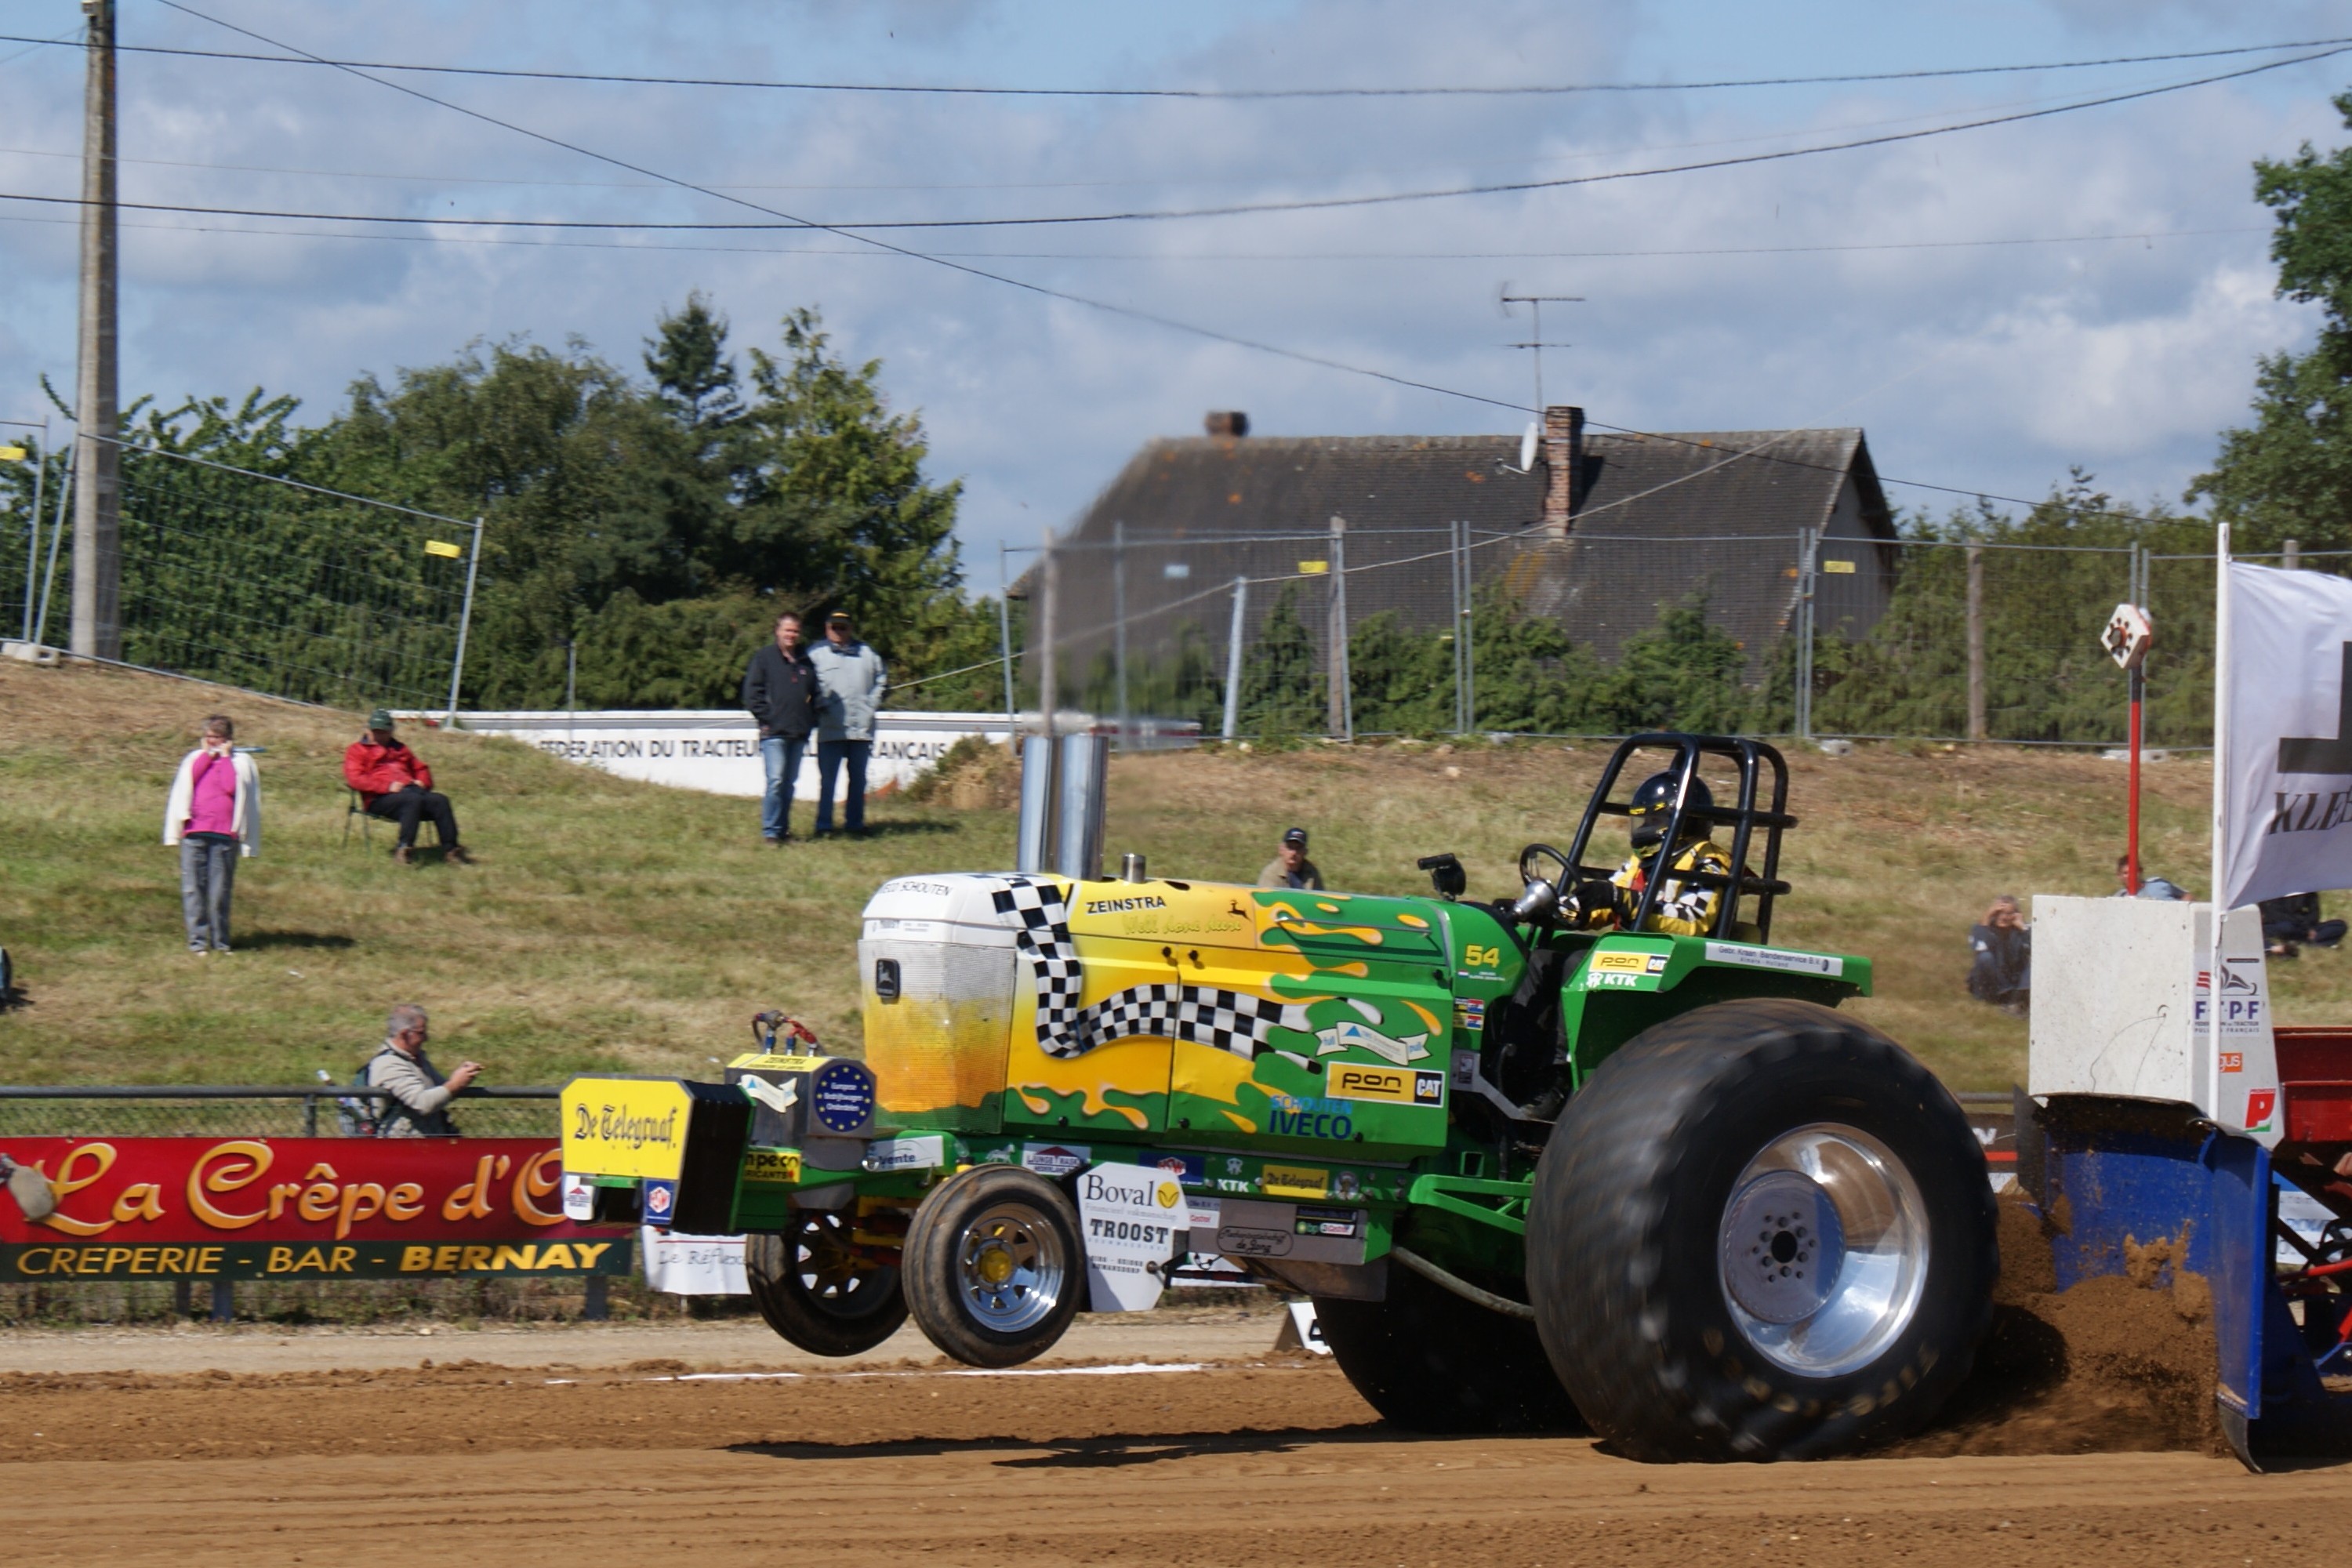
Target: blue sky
x=1995 y=366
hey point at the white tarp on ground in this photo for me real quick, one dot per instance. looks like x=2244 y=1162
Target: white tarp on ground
x=687 y=1265
x=718 y=749
x=2287 y=763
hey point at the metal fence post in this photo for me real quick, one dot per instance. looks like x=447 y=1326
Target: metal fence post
x=1004 y=640
x=1049 y=693
x=1233 y=658
x=33 y=529
x=1808 y=563
x=57 y=533
x=1118 y=621
x=1977 y=727
x=1469 y=628
x=224 y=1302
x=1342 y=698
x=2292 y=554
x=598 y=1304
x=1453 y=567
x=465 y=624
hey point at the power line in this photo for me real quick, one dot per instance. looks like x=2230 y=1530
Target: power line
x=1194 y=256
x=1198 y=94
x=1041 y=290
x=859 y=228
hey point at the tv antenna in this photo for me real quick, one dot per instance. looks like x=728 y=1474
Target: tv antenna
x=1536 y=302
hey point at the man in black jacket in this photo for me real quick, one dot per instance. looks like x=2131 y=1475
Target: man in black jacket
x=781 y=690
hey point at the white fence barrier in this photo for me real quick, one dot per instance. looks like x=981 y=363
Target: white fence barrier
x=717 y=749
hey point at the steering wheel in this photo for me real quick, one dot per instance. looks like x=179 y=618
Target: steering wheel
x=1564 y=905
x=1534 y=854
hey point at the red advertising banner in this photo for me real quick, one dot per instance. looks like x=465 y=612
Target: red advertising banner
x=299 y=1208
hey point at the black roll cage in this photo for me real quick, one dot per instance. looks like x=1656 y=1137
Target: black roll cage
x=1749 y=759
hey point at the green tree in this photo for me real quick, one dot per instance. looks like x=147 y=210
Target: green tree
x=2288 y=475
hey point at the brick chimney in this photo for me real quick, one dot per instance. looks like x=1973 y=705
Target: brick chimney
x=1563 y=457
x=1227 y=422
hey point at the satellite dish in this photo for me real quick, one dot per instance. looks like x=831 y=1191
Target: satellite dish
x=1527 y=446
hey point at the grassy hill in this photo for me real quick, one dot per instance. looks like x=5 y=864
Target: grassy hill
x=619 y=925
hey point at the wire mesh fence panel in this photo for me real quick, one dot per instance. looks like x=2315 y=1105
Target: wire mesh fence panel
x=1954 y=640
x=1424 y=631
x=232 y=577
x=258 y=1113
x=30 y=490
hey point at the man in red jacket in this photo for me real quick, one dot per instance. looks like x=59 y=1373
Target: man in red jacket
x=395 y=785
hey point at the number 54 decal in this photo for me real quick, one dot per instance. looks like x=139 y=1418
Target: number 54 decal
x=1476 y=957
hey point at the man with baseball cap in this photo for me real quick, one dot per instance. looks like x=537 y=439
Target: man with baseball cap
x=395 y=783
x=1291 y=868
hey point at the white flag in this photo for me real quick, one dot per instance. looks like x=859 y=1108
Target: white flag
x=2285 y=822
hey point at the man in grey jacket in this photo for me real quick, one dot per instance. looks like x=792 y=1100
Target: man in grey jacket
x=419 y=1107
x=850 y=681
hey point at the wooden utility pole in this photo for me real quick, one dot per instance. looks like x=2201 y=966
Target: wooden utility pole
x=1976 y=644
x=97 y=531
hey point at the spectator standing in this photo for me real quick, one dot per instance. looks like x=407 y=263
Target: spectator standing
x=1291 y=868
x=395 y=783
x=214 y=814
x=2002 y=971
x=850 y=681
x=2291 y=921
x=780 y=690
x=420 y=1095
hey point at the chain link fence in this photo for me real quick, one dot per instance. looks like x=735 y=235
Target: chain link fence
x=1457 y=630
x=205 y=1111
x=251 y=579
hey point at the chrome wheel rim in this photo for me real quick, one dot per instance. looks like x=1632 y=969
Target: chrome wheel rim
x=829 y=1273
x=1010 y=1270
x=1823 y=1250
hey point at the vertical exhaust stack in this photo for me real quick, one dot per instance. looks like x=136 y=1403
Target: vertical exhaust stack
x=1085 y=775
x=1035 y=846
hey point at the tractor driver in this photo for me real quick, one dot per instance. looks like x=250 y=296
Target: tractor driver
x=1683 y=909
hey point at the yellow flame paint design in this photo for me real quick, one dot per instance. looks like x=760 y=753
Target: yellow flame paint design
x=1369 y=935
x=1244 y=1122
x=1426 y=1016
x=1415 y=921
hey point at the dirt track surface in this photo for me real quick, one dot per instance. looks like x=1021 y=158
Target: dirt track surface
x=1271 y=1461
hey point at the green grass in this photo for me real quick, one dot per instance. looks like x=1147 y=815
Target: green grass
x=619 y=926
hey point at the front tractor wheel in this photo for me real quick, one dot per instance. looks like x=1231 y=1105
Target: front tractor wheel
x=993 y=1265
x=1761 y=1231
x=816 y=1289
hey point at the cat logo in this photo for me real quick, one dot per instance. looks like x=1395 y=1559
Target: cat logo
x=1398 y=1085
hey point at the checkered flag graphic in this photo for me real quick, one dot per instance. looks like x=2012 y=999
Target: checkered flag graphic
x=1206 y=1015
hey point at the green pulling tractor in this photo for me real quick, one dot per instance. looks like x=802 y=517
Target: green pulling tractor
x=1598 y=1157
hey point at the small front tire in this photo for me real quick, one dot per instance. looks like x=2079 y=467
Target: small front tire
x=995 y=1265
x=814 y=1289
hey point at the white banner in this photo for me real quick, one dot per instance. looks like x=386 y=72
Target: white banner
x=687 y=1265
x=2286 y=817
x=1130 y=1214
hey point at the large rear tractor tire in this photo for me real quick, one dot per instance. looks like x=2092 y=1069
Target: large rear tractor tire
x=1429 y=1361
x=816 y=1292
x=995 y=1268
x=1761 y=1231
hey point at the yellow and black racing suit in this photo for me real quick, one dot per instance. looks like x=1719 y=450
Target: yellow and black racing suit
x=1683 y=909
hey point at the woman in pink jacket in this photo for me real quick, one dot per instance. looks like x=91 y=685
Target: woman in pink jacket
x=214 y=816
